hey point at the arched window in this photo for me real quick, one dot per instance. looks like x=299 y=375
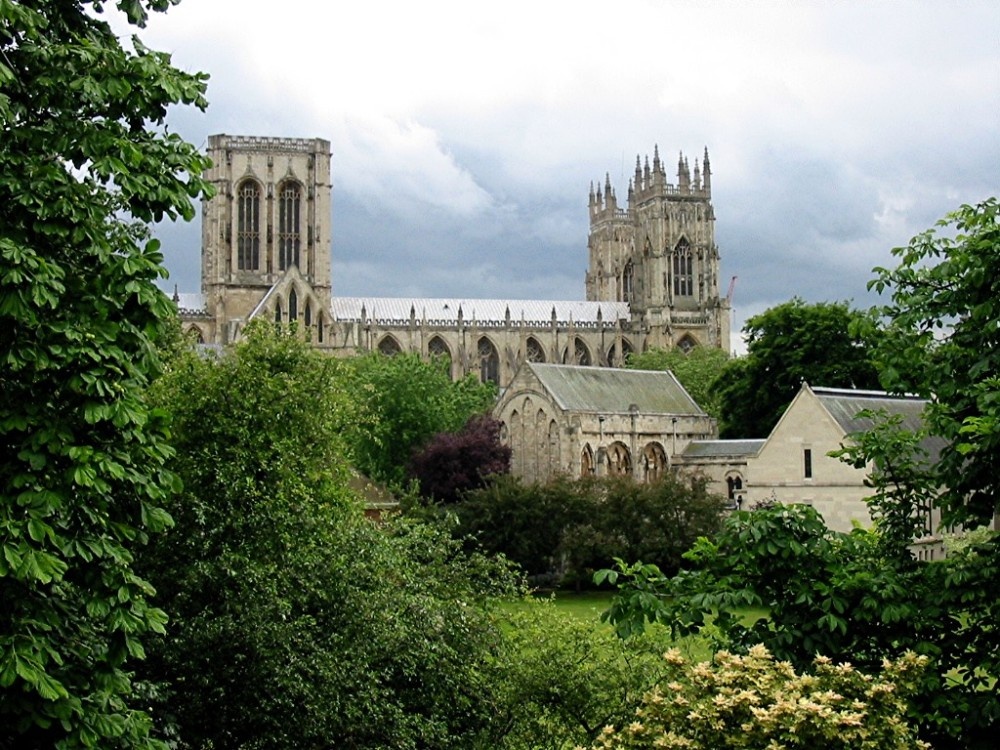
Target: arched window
x=581 y=354
x=293 y=306
x=686 y=344
x=389 y=346
x=489 y=362
x=248 y=226
x=619 y=460
x=614 y=360
x=586 y=461
x=277 y=310
x=516 y=444
x=683 y=269
x=439 y=351
x=628 y=280
x=533 y=350
x=308 y=315
x=654 y=462
x=438 y=348
x=734 y=486
x=319 y=327
x=289 y=235
x=194 y=334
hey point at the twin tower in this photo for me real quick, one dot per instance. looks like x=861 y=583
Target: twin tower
x=652 y=281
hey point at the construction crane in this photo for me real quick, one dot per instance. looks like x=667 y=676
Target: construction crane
x=732 y=288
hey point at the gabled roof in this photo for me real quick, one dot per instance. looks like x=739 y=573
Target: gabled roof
x=722 y=448
x=610 y=390
x=844 y=405
x=486 y=312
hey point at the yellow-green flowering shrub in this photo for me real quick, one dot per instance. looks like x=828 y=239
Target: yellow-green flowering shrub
x=754 y=701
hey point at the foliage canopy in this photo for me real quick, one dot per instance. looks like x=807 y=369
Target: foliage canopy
x=786 y=345
x=85 y=164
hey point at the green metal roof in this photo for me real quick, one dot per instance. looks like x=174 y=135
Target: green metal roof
x=610 y=390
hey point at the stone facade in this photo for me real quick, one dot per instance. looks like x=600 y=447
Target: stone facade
x=579 y=421
x=266 y=251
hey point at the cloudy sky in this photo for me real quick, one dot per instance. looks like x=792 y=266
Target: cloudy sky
x=465 y=135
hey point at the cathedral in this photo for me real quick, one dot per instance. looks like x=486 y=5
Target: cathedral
x=652 y=277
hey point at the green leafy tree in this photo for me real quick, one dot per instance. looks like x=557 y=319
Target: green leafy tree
x=942 y=342
x=561 y=530
x=85 y=165
x=405 y=401
x=295 y=622
x=786 y=345
x=696 y=370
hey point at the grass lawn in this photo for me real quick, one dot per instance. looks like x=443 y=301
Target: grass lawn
x=588 y=606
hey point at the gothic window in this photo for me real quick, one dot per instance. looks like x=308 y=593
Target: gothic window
x=586 y=462
x=553 y=449
x=248 y=226
x=614 y=360
x=683 y=269
x=194 y=333
x=534 y=351
x=516 y=443
x=654 y=462
x=319 y=328
x=619 y=460
x=293 y=306
x=389 y=346
x=628 y=275
x=308 y=315
x=289 y=234
x=489 y=362
x=277 y=311
x=580 y=354
x=686 y=344
x=438 y=348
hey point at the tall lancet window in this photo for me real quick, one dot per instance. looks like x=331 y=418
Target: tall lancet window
x=628 y=278
x=293 y=306
x=289 y=234
x=248 y=226
x=683 y=269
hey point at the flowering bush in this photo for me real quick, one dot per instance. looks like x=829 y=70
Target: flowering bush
x=754 y=701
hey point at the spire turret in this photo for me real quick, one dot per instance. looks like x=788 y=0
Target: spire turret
x=706 y=174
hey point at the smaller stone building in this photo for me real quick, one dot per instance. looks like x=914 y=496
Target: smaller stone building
x=578 y=421
x=726 y=465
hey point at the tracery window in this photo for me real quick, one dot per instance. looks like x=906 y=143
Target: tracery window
x=683 y=269
x=248 y=226
x=289 y=234
x=389 y=346
x=578 y=354
x=734 y=485
x=489 y=362
x=534 y=351
x=628 y=279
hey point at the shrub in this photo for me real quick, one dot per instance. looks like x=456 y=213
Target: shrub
x=754 y=701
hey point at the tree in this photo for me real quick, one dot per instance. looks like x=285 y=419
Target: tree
x=450 y=464
x=404 y=402
x=295 y=622
x=786 y=345
x=942 y=342
x=561 y=530
x=697 y=370
x=85 y=165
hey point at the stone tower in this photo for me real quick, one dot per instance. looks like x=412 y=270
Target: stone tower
x=659 y=255
x=269 y=220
